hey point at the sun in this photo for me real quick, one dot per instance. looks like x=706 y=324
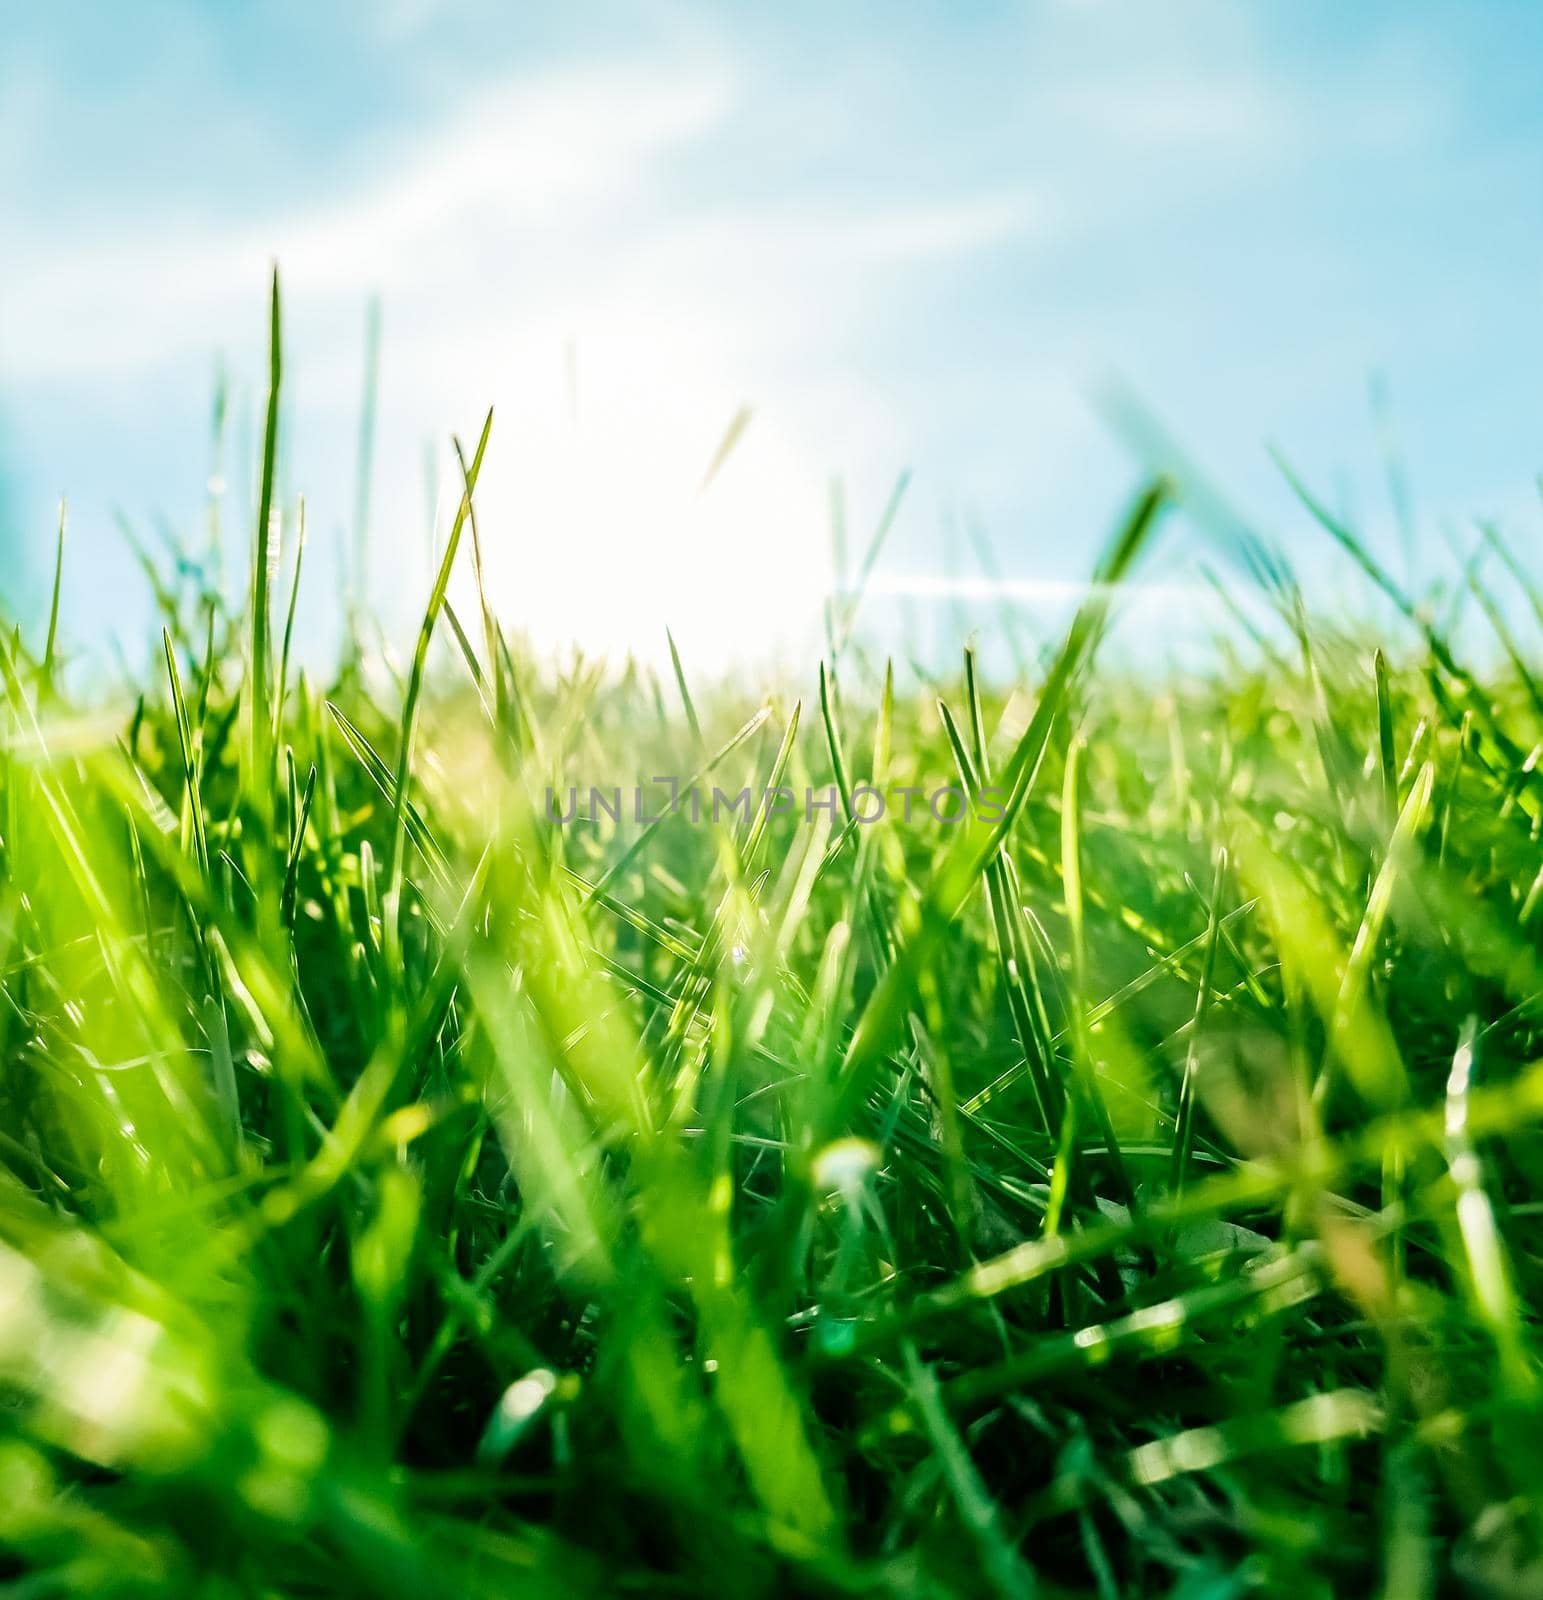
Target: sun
x=599 y=530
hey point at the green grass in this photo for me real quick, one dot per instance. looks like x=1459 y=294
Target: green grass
x=1135 y=1193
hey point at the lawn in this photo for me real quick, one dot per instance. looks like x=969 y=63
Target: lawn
x=1113 y=1171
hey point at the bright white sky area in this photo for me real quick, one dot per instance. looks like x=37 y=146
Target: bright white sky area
x=909 y=237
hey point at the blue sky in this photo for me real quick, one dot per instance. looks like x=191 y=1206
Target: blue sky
x=923 y=237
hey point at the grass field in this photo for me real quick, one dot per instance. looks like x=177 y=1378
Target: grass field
x=1131 y=1188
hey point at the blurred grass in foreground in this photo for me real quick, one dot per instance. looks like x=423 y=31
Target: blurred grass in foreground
x=1133 y=1195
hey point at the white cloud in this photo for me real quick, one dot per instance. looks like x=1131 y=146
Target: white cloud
x=528 y=156
x=630 y=210
x=537 y=215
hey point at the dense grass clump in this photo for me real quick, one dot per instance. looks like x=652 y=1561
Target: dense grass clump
x=1127 y=1189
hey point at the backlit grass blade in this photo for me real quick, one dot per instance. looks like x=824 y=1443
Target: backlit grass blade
x=966 y=859
x=391 y=906
x=51 y=642
x=1184 y=1123
x=262 y=569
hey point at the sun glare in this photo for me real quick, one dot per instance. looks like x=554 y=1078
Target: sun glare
x=601 y=525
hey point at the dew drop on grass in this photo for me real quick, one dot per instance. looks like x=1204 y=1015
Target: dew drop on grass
x=844 y=1164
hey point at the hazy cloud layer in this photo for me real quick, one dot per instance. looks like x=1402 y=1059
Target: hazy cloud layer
x=920 y=241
